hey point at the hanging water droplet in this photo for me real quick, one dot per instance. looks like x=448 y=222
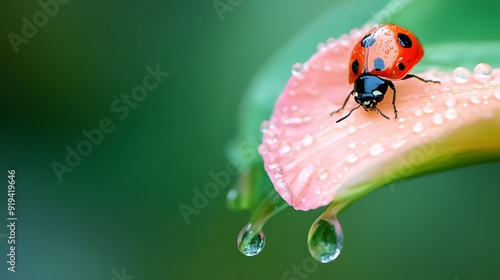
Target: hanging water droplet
x=351 y=129
x=482 y=72
x=264 y=126
x=251 y=243
x=376 y=149
x=297 y=67
x=461 y=75
x=437 y=119
x=351 y=158
x=325 y=239
x=418 y=127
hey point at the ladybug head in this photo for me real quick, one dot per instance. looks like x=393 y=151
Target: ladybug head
x=370 y=90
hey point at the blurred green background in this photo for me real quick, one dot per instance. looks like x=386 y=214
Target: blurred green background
x=116 y=215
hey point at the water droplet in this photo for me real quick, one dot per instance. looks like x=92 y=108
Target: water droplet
x=251 y=239
x=428 y=108
x=278 y=173
x=323 y=175
x=264 y=126
x=376 y=149
x=284 y=148
x=325 y=239
x=328 y=66
x=330 y=41
x=418 y=127
x=262 y=149
x=307 y=140
x=251 y=243
x=482 y=72
x=438 y=119
x=450 y=114
x=399 y=143
x=292 y=120
x=352 y=145
x=419 y=112
x=351 y=129
x=461 y=75
x=321 y=46
x=297 y=67
x=351 y=158
x=450 y=101
x=474 y=98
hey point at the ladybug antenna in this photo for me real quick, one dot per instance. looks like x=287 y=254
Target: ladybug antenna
x=378 y=110
x=344 y=117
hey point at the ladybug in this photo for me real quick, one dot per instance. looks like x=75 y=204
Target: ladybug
x=388 y=52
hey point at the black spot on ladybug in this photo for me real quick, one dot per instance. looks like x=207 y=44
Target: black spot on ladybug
x=355 y=66
x=379 y=64
x=404 y=40
x=401 y=66
x=368 y=41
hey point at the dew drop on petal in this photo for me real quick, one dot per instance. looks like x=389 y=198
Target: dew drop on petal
x=284 y=148
x=330 y=41
x=351 y=129
x=325 y=239
x=450 y=101
x=428 y=108
x=307 y=140
x=418 y=112
x=323 y=175
x=376 y=149
x=482 y=72
x=321 y=46
x=398 y=144
x=262 y=149
x=474 y=98
x=461 y=75
x=297 y=67
x=264 y=126
x=438 y=119
x=351 y=158
x=251 y=243
x=352 y=145
x=418 y=127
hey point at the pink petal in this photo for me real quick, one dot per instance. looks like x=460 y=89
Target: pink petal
x=312 y=160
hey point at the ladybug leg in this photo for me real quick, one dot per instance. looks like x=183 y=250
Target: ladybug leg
x=391 y=85
x=409 y=76
x=343 y=106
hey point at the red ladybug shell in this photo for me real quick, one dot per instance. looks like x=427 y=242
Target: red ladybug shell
x=389 y=51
